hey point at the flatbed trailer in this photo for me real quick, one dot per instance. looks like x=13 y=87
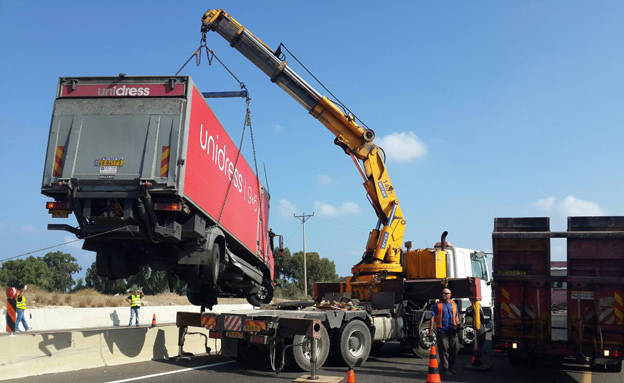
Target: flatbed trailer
x=348 y=329
x=594 y=288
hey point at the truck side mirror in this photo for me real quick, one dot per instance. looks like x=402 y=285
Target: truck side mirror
x=281 y=244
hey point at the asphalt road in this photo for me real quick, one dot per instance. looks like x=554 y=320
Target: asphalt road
x=388 y=365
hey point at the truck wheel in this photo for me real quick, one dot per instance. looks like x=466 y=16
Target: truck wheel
x=211 y=269
x=468 y=335
x=351 y=344
x=298 y=357
x=103 y=265
x=421 y=347
x=263 y=296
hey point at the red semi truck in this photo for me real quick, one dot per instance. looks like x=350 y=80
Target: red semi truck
x=154 y=179
x=592 y=328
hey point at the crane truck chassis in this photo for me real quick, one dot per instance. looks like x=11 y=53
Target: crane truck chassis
x=349 y=328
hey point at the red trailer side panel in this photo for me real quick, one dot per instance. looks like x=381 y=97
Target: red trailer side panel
x=210 y=168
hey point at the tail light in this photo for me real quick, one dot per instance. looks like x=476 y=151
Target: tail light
x=162 y=206
x=214 y=334
x=57 y=205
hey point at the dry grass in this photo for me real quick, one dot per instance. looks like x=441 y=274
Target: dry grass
x=38 y=298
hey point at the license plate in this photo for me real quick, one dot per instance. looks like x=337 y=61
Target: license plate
x=253 y=328
x=60 y=213
x=234 y=334
x=110 y=162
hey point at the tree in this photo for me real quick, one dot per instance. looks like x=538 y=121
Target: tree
x=63 y=266
x=289 y=270
x=102 y=284
x=152 y=282
x=20 y=272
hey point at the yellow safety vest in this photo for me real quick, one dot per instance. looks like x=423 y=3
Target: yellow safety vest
x=21 y=305
x=136 y=301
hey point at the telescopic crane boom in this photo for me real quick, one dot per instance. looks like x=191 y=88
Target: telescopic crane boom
x=382 y=255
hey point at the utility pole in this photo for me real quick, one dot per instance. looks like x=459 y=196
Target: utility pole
x=303 y=217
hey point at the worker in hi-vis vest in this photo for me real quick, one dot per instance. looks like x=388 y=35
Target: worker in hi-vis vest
x=135 y=305
x=21 y=311
x=445 y=319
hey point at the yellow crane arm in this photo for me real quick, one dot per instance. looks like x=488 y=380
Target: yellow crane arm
x=386 y=239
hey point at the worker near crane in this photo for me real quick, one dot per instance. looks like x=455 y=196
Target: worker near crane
x=135 y=305
x=445 y=319
x=21 y=311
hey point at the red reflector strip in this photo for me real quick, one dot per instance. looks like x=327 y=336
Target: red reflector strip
x=161 y=206
x=164 y=162
x=214 y=335
x=58 y=161
x=233 y=323
x=57 y=205
x=209 y=322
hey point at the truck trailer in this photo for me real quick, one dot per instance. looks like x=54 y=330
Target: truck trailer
x=591 y=329
x=153 y=178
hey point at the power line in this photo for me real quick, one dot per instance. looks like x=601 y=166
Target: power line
x=60 y=244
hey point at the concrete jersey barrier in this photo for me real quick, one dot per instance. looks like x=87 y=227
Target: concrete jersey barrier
x=53 y=348
x=69 y=318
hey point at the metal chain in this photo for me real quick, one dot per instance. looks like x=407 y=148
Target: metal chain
x=210 y=54
x=240 y=149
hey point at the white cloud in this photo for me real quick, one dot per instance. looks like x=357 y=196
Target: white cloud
x=28 y=228
x=277 y=128
x=402 y=147
x=286 y=208
x=546 y=204
x=325 y=179
x=327 y=210
x=570 y=206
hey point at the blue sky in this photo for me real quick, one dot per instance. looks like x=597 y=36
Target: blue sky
x=485 y=109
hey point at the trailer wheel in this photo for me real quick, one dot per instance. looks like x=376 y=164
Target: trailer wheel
x=351 y=344
x=298 y=357
x=421 y=346
x=263 y=296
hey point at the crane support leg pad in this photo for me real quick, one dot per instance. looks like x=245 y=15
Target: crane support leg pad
x=319 y=379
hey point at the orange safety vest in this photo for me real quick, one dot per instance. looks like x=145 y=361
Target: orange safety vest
x=438 y=318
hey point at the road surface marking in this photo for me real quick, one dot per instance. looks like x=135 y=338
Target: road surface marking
x=171 y=372
x=587 y=377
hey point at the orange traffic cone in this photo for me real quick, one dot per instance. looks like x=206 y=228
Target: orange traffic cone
x=350 y=376
x=154 y=321
x=433 y=375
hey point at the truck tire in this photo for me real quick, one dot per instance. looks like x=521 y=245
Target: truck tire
x=351 y=343
x=103 y=264
x=421 y=346
x=298 y=357
x=211 y=269
x=468 y=335
x=263 y=296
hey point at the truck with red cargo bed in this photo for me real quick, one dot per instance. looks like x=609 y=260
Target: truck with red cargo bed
x=154 y=179
x=525 y=325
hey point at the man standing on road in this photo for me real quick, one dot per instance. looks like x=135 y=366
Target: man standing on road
x=135 y=305
x=21 y=309
x=444 y=317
